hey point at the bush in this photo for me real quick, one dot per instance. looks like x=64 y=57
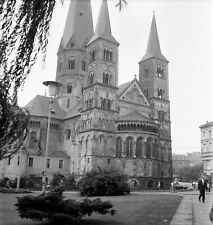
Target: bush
x=13 y=190
x=52 y=207
x=25 y=182
x=68 y=183
x=103 y=183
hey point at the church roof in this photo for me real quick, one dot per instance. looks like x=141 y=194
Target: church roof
x=103 y=27
x=39 y=106
x=132 y=115
x=79 y=22
x=123 y=87
x=153 y=49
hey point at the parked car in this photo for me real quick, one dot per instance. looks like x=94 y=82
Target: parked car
x=184 y=186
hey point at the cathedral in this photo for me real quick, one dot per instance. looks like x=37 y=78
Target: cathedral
x=96 y=123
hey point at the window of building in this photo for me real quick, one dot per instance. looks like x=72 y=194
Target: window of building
x=18 y=161
x=160 y=71
x=108 y=161
x=139 y=144
x=146 y=92
x=129 y=147
x=71 y=63
x=68 y=133
x=30 y=162
x=72 y=44
x=160 y=93
x=148 y=147
x=83 y=65
x=108 y=104
x=146 y=71
x=106 y=78
x=88 y=160
x=161 y=115
x=69 y=88
x=9 y=160
x=91 y=78
x=210 y=133
x=118 y=152
x=108 y=55
x=100 y=139
x=60 y=164
x=93 y=55
x=48 y=163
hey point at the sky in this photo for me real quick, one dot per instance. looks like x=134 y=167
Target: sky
x=185 y=29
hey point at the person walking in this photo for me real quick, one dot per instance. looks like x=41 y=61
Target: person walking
x=202 y=188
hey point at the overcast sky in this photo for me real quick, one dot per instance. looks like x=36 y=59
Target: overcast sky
x=185 y=29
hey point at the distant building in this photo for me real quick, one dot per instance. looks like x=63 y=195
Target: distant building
x=207 y=146
x=181 y=160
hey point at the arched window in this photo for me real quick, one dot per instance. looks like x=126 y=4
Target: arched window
x=139 y=147
x=33 y=139
x=129 y=147
x=68 y=133
x=71 y=63
x=69 y=88
x=118 y=152
x=91 y=78
x=108 y=104
x=106 y=78
x=148 y=147
x=155 y=149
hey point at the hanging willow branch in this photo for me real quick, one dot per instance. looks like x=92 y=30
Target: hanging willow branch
x=24 y=29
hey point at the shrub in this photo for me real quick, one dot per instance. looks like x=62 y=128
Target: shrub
x=68 y=183
x=52 y=207
x=103 y=183
x=13 y=190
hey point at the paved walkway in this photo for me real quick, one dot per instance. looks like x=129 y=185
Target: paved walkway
x=191 y=211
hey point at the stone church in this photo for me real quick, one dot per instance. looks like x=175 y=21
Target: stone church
x=97 y=123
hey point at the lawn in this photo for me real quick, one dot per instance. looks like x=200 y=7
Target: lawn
x=134 y=209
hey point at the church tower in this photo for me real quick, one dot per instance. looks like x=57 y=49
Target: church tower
x=71 y=62
x=154 y=79
x=99 y=110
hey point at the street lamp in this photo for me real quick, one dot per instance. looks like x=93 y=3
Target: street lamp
x=53 y=88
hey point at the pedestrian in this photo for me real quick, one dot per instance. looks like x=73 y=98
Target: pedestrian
x=202 y=188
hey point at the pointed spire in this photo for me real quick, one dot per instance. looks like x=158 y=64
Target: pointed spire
x=79 y=23
x=153 y=49
x=103 y=27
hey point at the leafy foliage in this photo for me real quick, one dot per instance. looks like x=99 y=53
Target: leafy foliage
x=53 y=207
x=68 y=183
x=13 y=123
x=103 y=183
x=188 y=174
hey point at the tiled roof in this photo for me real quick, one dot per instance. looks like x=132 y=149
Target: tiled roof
x=39 y=106
x=123 y=87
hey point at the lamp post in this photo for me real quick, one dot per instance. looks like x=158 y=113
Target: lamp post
x=53 y=87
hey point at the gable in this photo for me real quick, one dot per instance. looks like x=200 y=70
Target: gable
x=134 y=94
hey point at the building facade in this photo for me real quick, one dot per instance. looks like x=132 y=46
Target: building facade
x=207 y=147
x=96 y=122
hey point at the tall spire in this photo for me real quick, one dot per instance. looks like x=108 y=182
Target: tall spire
x=103 y=27
x=79 y=23
x=153 y=49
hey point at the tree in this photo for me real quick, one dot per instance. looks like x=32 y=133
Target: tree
x=24 y=34
x=13 y=123
x=190 y=173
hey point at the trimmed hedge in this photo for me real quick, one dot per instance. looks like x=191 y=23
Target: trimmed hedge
x=104 y=183
x=52 y=207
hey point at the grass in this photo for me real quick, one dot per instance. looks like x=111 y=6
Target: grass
x=134 y=209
